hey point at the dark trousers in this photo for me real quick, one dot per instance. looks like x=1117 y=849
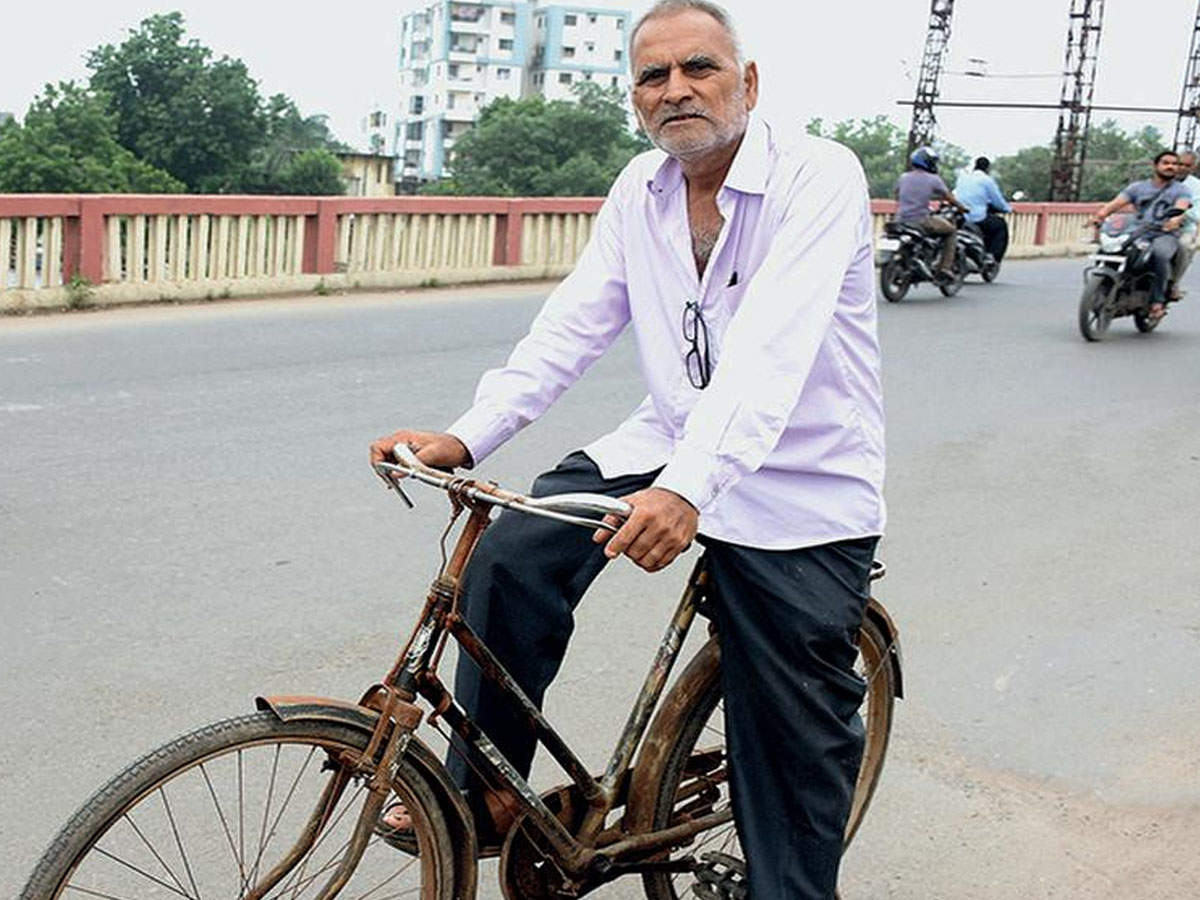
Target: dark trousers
x=995 y=235
x=1165 y=247
x=788 y=621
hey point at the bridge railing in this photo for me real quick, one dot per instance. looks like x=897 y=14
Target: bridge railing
x=73 y=249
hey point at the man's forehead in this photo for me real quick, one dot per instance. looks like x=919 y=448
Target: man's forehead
x=676 y=37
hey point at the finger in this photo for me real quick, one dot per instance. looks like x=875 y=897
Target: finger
x=600 y=535
x=644 y=545
x=625 y=536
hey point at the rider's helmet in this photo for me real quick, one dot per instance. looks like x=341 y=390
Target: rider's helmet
x=924 y=158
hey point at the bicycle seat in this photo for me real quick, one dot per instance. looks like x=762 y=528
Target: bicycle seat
x=581 y=505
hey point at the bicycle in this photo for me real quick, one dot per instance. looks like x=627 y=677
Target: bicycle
x=285 y=802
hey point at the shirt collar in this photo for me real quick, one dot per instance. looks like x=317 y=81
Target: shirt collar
x=747 y=173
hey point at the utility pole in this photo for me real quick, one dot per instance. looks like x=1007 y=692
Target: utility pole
x=924 y=122
x=1075 y=103
x=1189 y=101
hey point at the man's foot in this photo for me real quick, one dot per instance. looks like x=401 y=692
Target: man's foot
x=395 y=828
x=1156 y=311
x=1174 y=294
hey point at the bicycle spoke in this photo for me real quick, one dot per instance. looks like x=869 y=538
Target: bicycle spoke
x=266 y=814
x=143 y=873
x=298 y=874
x=241 y=810
x=162 y=862
x=225 y=826
x=91 y=893
x=187 y=866
x=384 y=883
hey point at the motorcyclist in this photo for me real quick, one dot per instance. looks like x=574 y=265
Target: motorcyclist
x=979 y=191
x=1153 y=199
x=916 y=189
x=1187 y=231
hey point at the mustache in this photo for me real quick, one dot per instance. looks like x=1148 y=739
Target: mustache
x=678 y=113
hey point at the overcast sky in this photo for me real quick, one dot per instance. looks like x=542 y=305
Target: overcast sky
x=830 y=59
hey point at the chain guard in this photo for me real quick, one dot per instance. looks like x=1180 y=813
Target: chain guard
x=527 y=871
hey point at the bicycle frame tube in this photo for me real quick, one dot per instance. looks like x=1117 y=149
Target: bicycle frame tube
x=415 y=673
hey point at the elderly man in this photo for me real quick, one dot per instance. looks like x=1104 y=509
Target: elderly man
x=740 y=255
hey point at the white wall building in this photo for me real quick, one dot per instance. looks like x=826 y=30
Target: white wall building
x=456 y=57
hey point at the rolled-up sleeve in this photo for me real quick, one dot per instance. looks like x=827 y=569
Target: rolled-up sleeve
x=773 y=339
x=578 y=322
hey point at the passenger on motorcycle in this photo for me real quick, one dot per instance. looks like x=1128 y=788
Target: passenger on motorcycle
x=917 y=188
x=1152 y=199
x=1187 y=231
x=979 y=191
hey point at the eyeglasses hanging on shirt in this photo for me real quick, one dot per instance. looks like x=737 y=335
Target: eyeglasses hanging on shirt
x=695 y=332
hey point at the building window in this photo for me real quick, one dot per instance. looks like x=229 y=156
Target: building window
x=416 y=105
x=507 y=18
x=587 y=76
x=591 y=46
x=503 y=74
x=569 y=20
x=564 y=77
x=620 y=24
x=506 y=44
x=449 y=101
x=592 y=18
x=452 y=70
x=617 y=55
x=614 y=81
x=568 y=52
x=414 y=131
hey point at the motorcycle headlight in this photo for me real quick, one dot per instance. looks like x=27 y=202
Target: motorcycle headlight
x=1142 y=244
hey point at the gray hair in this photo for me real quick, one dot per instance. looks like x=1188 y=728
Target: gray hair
x=671 y=7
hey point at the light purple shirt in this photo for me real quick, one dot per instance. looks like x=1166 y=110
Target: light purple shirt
x=784 y=448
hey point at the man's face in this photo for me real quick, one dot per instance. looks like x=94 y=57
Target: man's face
x=689 y=92
x=1165 y=167
x=1187 y=165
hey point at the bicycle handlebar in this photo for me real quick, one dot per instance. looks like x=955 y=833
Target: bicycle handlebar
x=574 y=509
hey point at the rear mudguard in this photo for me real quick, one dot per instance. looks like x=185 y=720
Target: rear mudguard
x=696 y=679
x=362 y=718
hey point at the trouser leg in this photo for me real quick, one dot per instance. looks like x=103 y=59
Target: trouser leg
x=520 y=590
x=934 y=225
x=788 y=623
x=1183 y=259
x=995 y=235
x=1163 y=250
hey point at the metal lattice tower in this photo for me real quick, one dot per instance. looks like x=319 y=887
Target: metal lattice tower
x=1189 y=101
x=924 y=122
x=1075 y=104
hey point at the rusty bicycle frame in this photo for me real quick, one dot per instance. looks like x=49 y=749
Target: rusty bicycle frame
x=590 y=854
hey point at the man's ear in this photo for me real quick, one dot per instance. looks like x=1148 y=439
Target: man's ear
x=750 y=82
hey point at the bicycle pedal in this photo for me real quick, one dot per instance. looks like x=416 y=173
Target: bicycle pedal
x=721 y=877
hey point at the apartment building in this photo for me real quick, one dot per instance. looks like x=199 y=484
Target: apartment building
x=457 y=56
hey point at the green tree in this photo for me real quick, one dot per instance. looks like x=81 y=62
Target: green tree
x=310 y=172
x=176 y=106
x=288 y=140
x=532 y=147
x=881 y=146
x=68 y=144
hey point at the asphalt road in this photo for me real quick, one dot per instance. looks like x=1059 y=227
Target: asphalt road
x=187 y=520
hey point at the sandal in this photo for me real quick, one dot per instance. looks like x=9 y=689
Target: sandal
x=1156 y=311
x=489 y=837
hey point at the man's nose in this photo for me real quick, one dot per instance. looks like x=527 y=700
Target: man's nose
x=678 y=87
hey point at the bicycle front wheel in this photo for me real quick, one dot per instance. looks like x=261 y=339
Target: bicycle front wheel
x=213 y=812
x=694 y=780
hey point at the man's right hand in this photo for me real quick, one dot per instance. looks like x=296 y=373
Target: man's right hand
x=442 y=451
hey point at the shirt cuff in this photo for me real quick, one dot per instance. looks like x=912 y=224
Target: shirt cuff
x=481 y=432
x=695 y=475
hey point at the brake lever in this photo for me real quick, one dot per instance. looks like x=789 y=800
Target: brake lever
x=393 y=484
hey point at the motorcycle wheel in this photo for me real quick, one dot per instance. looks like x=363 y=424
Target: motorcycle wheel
x=1144 y=323
x=990 y=270
x=1095 y=309
x=895 y=279
x=952 y=287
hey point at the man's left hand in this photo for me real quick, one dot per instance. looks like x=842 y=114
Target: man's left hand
x=661 y=527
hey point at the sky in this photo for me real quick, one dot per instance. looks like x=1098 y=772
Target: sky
x=833 y=60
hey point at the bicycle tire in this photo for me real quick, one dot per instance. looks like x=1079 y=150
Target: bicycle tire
x=186 y=768
x=877 y=710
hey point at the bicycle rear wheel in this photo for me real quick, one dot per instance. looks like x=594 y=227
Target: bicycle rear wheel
x=695 y=781
x=211 y=813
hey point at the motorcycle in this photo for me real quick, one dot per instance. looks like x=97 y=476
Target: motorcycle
x=973 y=251
x=1119 y=275
x=906 y=256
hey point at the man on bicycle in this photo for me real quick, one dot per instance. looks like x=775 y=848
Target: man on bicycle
x=741 y=255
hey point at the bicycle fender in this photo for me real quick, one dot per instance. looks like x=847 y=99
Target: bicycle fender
x=891 y=635
x=694 y=680
x=453 y=806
